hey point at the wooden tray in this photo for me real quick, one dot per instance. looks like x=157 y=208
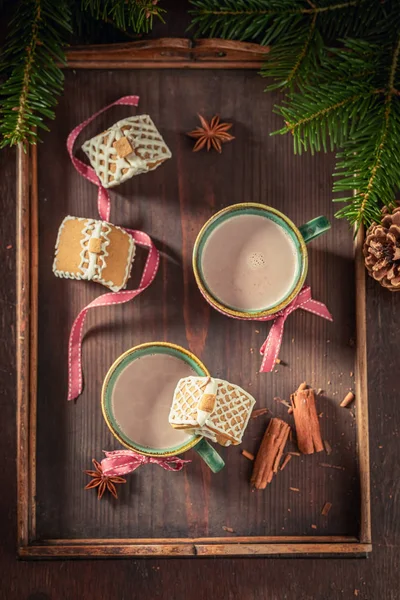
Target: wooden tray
x=184 y=514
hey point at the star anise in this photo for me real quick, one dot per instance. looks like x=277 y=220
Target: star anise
x=211 y=134
x=102 y=482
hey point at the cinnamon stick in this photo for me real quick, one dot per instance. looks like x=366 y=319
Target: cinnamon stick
x=328 y=466
x=258 y=412
x=284 y=402
x=287 y=458
x=326 y=508
x=307 y=424
x=348 y=399
x=228 y=529
x=248 y=455
x=270 y=453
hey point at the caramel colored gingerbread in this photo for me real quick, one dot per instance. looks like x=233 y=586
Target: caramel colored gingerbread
x=94 y=250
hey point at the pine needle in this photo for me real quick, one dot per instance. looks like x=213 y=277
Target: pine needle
x=137 y=15
x=338 y=62
x=34 y=52
x=34 y=47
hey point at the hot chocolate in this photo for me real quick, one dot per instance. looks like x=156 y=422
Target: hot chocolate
x=142 y=396
x=249 y=262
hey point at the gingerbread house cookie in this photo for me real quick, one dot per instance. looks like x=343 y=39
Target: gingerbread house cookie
x=130 y=147
x=213 y=408
x=94 y=250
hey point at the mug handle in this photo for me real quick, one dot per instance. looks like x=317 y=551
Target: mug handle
x=314 y=228
x=209 y=455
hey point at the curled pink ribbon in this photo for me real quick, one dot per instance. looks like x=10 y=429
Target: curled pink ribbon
x=103 y=198
x=121 y=462
x=75 y=377
x=270 y=348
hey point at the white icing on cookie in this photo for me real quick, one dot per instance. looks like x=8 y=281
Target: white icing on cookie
x=229 y=418
x=149 y=150
x=91 y=264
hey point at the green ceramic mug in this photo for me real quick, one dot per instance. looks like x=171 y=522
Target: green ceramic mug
x=109 y=402
x=299 y=237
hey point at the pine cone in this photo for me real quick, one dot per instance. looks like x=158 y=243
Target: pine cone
x=382 y=250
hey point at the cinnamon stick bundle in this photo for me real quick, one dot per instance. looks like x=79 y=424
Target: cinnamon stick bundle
x=306 y=421
x=270 y=453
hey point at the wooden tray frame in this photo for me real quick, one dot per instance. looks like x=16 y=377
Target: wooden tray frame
x=157 y=54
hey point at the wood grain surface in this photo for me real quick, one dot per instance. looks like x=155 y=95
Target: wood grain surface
x=171 y=204
x=167 y=53
x=272 y=579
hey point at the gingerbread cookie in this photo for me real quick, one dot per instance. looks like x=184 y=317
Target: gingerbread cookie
x=130 y=147
x=213 y=408
x=94 y=250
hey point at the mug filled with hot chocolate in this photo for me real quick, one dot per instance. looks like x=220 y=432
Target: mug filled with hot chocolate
x=250 y=260
x=159 y=400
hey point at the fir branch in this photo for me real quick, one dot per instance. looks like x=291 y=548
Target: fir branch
x=368 y=164
x=34 y=52
x=339 y=62
x=250 y=19
x=28 y=95
x=290 y=62
x=383 y=142
x=297 y=30
x=292 y=73
x=322 y=113
x=135 y=14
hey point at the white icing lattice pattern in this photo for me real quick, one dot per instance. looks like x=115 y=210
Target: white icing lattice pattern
x=149 y=150
x=229 y=418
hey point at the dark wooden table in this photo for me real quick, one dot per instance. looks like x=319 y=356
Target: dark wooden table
x=322 y=579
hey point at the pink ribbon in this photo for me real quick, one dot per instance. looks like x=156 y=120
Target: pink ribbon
x=75 y=377
x=103 y=198
x=270 y=348
x=121 y=462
